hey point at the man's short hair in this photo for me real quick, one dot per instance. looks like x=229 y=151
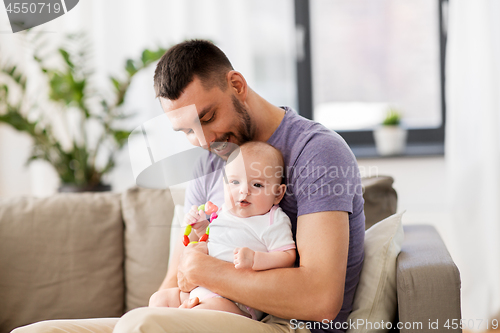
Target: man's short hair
x=182 y=62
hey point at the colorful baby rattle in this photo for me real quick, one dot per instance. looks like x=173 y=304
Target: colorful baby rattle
x=210 y=209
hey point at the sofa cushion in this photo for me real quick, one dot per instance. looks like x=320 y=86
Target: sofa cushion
x=58 y=255
x=148 y=217
x=375 y=300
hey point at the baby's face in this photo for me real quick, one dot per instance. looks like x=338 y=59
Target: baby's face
x=253 y=185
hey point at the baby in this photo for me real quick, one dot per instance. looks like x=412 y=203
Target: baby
x=251 y=230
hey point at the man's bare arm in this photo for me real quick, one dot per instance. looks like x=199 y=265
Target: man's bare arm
x=313 y=291
x=259 y=261
x=170 y=280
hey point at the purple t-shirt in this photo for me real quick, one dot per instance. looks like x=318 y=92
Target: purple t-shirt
x=321 y=175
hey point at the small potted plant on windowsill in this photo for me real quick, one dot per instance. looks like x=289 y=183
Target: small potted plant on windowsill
x=390 y=137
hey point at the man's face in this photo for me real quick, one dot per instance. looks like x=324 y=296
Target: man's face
x=210 y=118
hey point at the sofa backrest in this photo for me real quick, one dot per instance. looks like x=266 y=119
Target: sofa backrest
x=60 y=257
x=147 y=216
x=381 y=199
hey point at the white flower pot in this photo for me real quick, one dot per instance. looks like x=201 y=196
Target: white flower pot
x=390 y=140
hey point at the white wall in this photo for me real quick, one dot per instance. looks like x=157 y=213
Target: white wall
x=421 y=186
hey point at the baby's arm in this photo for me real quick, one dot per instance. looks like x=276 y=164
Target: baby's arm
x=259 y=261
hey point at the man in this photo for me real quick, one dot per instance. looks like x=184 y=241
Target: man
x=324 y=202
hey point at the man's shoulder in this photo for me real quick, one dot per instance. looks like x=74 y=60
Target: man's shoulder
x=306 y=139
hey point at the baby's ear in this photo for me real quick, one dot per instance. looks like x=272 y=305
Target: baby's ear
x=280 y=193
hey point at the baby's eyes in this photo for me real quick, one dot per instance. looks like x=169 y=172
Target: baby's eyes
x=236 y=182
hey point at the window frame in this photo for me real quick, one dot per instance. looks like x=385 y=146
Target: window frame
x=420 y=141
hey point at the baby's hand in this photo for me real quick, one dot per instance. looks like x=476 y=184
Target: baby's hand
x=197 y=219
x=243 y=257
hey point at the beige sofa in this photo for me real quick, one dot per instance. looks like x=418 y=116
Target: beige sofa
x=100 y=255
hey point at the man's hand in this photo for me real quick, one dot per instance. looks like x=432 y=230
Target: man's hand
x=243 y=257
x=312 y=291
x=189 y=263
x=197 y=219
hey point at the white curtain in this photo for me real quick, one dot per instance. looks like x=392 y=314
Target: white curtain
x=473 y=151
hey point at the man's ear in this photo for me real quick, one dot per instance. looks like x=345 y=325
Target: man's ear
x=280 y=193
x=238 y=84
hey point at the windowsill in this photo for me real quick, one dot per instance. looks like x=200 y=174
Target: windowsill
x=412 y=150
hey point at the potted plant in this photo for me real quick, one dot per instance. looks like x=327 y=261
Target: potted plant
x=93 y=136
x=390 y=137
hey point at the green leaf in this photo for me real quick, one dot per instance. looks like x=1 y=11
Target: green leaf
x=130 y=67
x=116 y=83
x=4 y=91
x=67 y=58
x=149 y=56
x=392 y=118
x=15 y=74
x=18 y=121
x=120 y=136
x=146 y=55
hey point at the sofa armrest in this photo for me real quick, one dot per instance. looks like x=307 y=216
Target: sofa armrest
x=428 y=282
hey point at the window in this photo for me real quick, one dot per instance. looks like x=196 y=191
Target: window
x=367 y=55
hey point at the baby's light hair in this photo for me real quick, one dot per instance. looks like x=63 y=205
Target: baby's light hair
x=260 y=149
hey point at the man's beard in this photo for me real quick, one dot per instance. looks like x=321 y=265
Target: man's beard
x=245 y=130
